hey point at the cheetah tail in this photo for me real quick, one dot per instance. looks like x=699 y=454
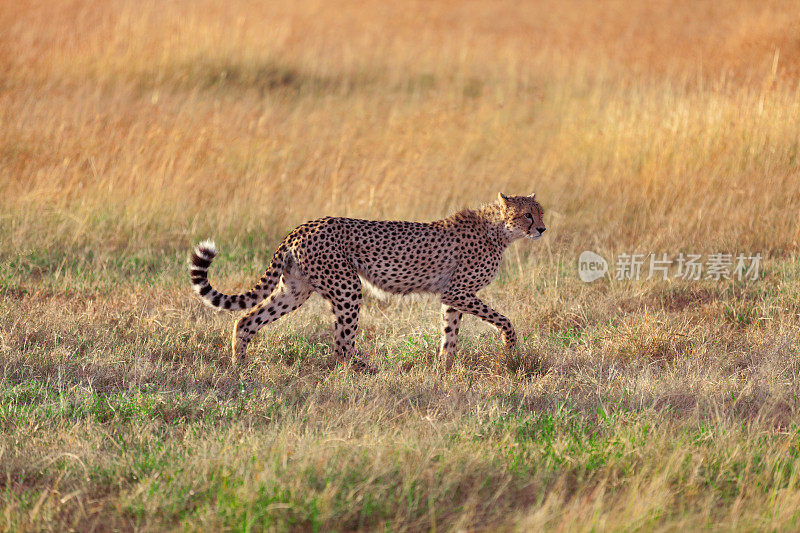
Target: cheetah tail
x=200 y=261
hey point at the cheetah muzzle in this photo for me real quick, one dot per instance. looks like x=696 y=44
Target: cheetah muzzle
x=454 y=258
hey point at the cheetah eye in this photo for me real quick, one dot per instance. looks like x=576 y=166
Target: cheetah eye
x=528 y=216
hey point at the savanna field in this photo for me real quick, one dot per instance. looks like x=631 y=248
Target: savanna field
x=129 y=131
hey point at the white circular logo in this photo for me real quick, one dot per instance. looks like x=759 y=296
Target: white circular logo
x=591 y=266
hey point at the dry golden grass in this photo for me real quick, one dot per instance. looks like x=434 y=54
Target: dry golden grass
x=130 y=130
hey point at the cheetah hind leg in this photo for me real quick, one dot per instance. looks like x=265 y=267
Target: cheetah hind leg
x=346 y=304
x=346 y=311
x=290 y=294
x=451 y=322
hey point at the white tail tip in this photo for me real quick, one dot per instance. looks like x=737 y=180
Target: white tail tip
x=209 y=245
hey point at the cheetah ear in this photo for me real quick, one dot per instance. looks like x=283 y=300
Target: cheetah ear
x=532 y=196
x=502 y=198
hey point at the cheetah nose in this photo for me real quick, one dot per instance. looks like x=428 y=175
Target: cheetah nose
x=541 y=229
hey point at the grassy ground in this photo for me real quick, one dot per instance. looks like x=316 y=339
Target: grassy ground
x=130 y=131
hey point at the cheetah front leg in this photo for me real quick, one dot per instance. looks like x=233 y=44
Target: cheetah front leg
x=469 y=303
x=451 y=322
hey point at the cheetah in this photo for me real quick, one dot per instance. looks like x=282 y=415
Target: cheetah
x=453 y=258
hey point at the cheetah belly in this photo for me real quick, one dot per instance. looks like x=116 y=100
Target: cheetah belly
x=414 y=267
x=394 y=277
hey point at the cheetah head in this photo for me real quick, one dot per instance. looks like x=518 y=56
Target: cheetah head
x=523 y=216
